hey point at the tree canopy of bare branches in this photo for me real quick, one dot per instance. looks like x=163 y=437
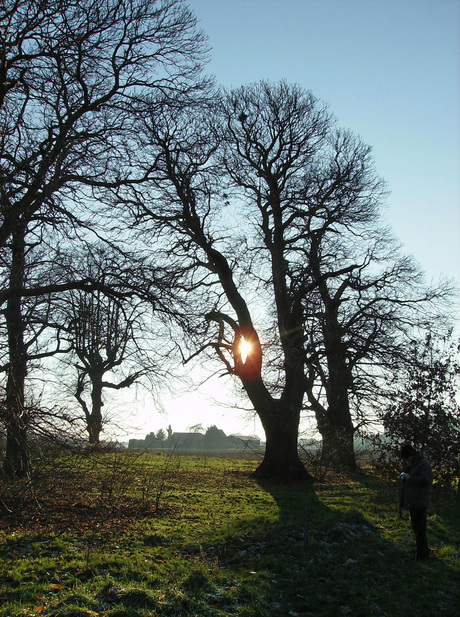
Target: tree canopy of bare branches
x=73 y=75
x=271 y=214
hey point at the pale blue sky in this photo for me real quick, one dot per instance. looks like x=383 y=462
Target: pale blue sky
x=390 y=72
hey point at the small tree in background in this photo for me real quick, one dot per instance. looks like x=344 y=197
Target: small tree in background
x=161 y=435
x=424 y=410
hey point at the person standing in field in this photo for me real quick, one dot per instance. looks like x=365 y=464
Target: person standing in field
x=414 y=495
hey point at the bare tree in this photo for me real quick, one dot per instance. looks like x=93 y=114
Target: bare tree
x=72 y=76
x=108 y=337
x=102 y=332
x=366 y=303
x=263 y=203
x=103 y=306
x=188 y=174
x=26 y=318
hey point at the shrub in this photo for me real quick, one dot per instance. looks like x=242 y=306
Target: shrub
x=424 y=410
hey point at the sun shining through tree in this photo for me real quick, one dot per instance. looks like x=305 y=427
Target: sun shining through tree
x=245 y=349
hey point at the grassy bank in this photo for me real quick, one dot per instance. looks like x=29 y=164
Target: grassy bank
x=152 y=535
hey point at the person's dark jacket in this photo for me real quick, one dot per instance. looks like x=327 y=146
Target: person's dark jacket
x=415 y=491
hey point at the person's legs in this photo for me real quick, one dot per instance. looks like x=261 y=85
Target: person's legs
x=418 y=521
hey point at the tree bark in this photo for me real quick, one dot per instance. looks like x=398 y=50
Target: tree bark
x=336 y=428
x=280 y=420
x=94 y=423
x=338 y=445
x=281 y=460
x=334 y=423
x=17 y=460
x=93 y=416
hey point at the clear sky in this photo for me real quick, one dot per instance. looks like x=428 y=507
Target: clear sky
x=390 y=72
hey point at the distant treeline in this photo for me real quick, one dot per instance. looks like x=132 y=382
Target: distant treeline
x=213 y=439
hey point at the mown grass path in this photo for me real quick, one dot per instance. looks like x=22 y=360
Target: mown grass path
x=157 y=536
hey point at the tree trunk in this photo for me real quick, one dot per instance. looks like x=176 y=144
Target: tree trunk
x=338 y=447
x=281 y=459
x=337 y=432
x=280 y=420
x=279 y=417
x=17 y=460
x=336 y=425
x=337 y=428
x=94 y=420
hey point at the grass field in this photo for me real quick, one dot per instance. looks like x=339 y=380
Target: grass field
x=125 y=536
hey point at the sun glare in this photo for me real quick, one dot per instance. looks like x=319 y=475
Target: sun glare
x=245 y=349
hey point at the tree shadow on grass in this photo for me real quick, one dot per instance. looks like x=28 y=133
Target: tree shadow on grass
x=345 y=562
x=353 y=557
x=332 y=550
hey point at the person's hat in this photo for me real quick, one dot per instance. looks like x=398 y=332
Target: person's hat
x=407 y=450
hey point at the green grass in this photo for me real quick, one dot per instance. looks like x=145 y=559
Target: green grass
x=154 y=536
